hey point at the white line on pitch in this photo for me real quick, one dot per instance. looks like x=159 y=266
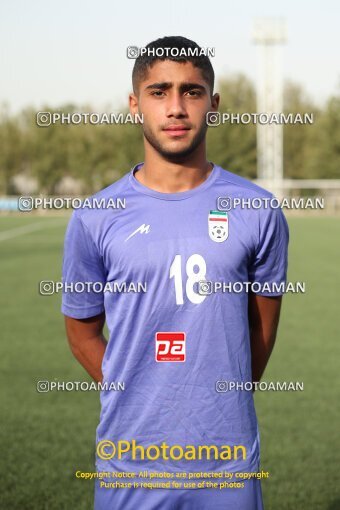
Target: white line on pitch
x=19 y=231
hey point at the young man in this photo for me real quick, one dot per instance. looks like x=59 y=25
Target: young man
x=175 y=343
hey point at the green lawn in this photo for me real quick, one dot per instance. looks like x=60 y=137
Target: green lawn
x=46 y=437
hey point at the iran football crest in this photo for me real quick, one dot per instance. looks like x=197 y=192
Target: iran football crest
x=218 y=226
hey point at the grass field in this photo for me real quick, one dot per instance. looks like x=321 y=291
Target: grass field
x=46 y=437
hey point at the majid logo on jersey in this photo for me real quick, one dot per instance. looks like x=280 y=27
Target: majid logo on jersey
x=218 y=226
x=170 y=346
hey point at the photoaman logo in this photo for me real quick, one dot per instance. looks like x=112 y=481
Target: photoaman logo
x=107 y=450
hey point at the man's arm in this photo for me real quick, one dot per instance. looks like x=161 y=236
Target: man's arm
x=88 y=343
x=264 y=314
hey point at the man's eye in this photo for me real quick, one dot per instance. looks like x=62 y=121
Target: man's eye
x=194 y=93
x=157 y=93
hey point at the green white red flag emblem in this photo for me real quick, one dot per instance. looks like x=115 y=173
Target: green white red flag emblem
x=218 y=223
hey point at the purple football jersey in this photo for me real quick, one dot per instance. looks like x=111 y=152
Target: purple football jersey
x=173 y=336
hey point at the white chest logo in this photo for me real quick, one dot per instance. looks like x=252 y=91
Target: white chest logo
x=143 y=229
x=218 y=223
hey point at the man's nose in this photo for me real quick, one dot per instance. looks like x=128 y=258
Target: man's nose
x=176 y=106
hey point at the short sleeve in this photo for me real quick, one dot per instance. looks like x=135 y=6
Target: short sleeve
x=82 y=267
x=270 y=262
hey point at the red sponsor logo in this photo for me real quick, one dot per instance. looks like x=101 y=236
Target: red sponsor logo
x=170 y=346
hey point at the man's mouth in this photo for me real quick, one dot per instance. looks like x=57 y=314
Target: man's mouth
x=176 y=129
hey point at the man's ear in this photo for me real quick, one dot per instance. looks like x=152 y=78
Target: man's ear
x=215 y=101
x=133 y=104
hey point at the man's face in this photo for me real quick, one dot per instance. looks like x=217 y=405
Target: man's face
x=174 y=99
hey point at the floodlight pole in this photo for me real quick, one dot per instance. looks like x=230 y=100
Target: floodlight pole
x=269 y=35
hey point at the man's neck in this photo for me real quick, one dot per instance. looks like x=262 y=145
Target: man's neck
x=169 y=177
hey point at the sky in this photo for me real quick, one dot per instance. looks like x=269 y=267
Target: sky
x=75 y=51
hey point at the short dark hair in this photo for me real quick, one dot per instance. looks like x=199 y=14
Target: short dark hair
x=144 y=62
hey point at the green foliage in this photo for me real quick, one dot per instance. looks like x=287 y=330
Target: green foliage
x=233 y=146
x=324 y=155
x=298 y=139
x=99 y=154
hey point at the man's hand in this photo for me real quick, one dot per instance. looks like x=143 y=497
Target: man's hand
x=263 y=314
x=87 y=343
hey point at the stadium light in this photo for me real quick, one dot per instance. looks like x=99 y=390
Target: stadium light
x=269 y=36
